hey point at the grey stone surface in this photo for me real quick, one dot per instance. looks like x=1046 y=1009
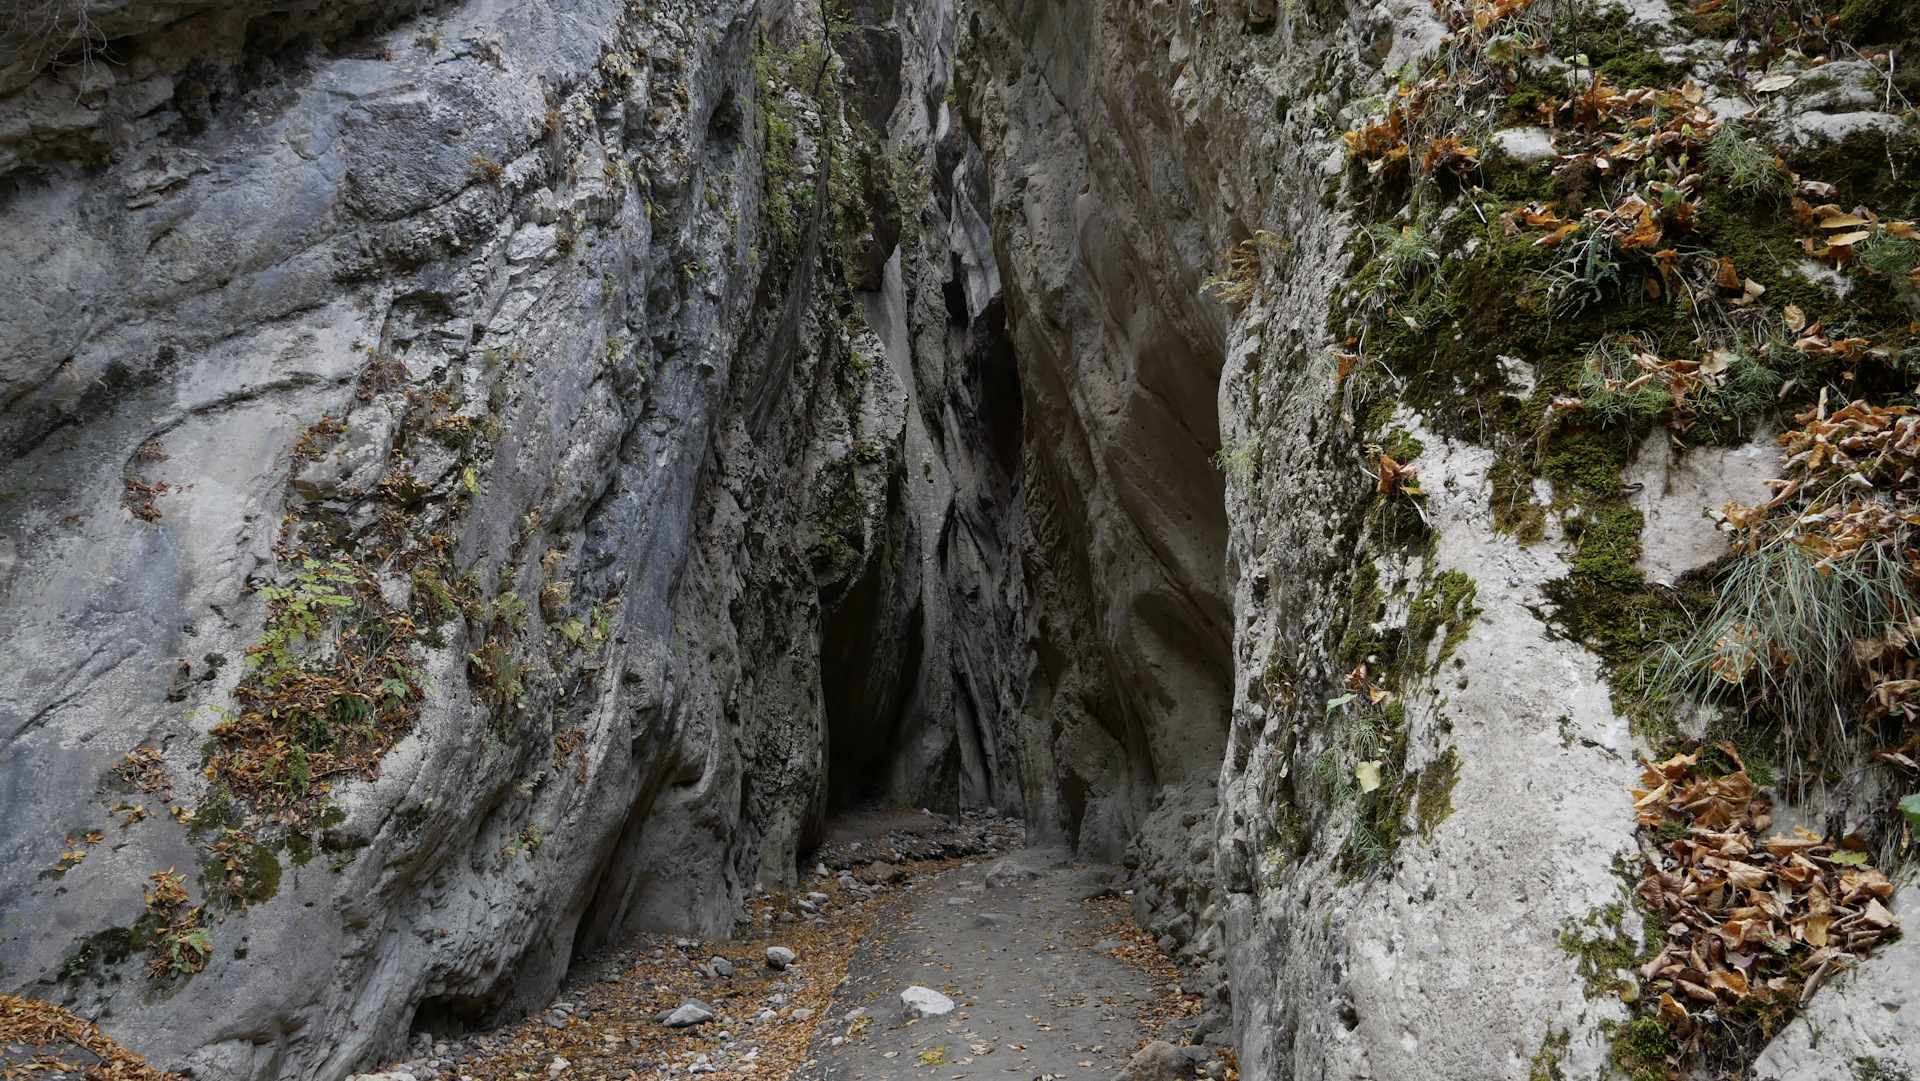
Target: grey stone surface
x=1158 y=1061
x=920 y=1001
x=1007 y=872
x=1030 y=998
x=779 y=956
x=1526 y=145
x=548 y=211
x=1103 y=242
x=688 y=1014
x=1675 y=491
x=1202 y=731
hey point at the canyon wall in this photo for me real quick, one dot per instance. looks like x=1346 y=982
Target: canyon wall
x=1400 y=646
x=480 y=482
x=488 y=478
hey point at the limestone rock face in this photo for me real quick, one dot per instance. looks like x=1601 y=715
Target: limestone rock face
x=479 y=480
x=1419 y=914
x=670 y=505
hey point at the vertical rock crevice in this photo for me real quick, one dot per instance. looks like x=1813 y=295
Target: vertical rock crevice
x=706 y=417
x=1100 y=227
x=1358 y=736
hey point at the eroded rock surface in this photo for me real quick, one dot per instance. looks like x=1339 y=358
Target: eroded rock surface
x=597 y=342
x=1411 y=861
x=685 y=420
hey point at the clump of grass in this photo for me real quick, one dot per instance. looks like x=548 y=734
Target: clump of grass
x=1893 y=258
x=1365 y=850
x=1743 y=166
x=1244 y=264
x=1326 y=769
x=1400 y=255
x=1592 y=273
x=1783 y=631
x=1605 y=380
x=1239 y=458
x=1750 y=385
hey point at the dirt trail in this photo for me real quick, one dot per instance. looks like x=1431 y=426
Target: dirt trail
x=1048 y=975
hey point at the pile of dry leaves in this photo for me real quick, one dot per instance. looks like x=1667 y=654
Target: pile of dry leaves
x=38 y=1038
x=1171 y=1003
x=1606 y=131
x=1606 y=126
x=1749 y=922
x=1842 y=231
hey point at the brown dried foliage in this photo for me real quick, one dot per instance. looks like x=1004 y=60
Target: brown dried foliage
x=41 y=1038
x=140 y=498
x=145 y=768
x=305 y=719
x=1752 y=924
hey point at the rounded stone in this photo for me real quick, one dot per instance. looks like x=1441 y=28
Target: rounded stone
x=922 y=1001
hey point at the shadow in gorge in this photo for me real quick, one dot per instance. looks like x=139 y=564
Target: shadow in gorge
x=868 y=655
x=871 y=641
x=1130 y=690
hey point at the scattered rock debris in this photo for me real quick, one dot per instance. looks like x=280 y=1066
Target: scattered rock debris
x=1056 y=981
x=663 y=1006
x=922 y=1001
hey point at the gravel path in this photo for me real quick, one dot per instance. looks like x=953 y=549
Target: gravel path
x=1046 y=974
x=1032 y=964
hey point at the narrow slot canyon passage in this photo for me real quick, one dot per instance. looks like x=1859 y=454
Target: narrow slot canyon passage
x=868 y=540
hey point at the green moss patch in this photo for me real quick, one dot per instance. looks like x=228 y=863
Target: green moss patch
x=1602 y=948
x=1435 y=791
x=1445 y=606
x=1640 y=1049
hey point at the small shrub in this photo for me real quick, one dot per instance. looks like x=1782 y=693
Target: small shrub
x=300 y=612
x=1592 y=273
x=1244 y=264
x=1239 y=458
x=179 y=945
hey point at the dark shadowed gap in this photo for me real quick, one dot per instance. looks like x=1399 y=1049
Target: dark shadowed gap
x=871 y=641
